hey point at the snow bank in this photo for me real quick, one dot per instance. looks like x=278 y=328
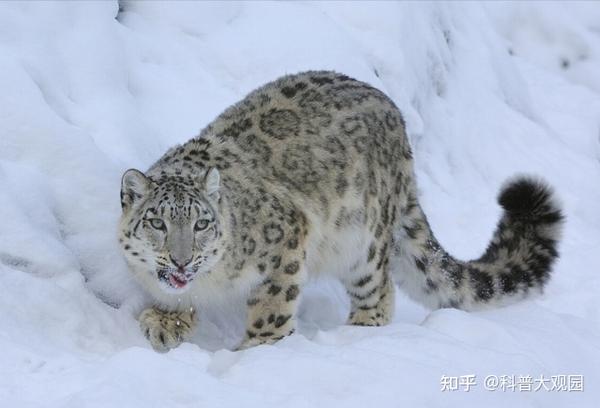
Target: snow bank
x=90 y=89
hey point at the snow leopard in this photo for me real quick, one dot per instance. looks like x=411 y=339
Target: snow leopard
x=312 y=174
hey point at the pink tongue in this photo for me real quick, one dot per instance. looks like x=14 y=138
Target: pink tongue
x=176 y=282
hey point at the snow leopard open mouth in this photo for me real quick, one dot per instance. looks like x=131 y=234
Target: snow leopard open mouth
x=174 y=278
x=178 y=281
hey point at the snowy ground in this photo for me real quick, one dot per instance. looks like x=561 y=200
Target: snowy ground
x=487 y=91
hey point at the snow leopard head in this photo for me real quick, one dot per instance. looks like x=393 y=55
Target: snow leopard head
x=170 y=228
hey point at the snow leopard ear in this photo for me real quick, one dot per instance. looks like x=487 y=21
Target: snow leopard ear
x=134 y=185
x=212 y=182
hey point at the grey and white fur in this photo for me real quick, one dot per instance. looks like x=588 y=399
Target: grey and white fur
x=312 y=174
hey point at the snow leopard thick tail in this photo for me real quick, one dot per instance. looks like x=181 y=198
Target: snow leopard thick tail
x=517 y=262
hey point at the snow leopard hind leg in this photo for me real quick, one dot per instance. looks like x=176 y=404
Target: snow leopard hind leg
x=370 y=287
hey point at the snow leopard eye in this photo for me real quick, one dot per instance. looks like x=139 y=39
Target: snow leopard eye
x=157 y=223
x=201 y=225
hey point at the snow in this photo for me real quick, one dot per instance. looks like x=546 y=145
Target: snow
x=89 y=91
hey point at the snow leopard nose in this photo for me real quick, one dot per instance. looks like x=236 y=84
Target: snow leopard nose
x=180 y=264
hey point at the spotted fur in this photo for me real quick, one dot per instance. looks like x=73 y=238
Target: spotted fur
x=311 y=173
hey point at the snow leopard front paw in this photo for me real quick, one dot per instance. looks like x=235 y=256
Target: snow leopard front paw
x=249 y=343
x=167 y=330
